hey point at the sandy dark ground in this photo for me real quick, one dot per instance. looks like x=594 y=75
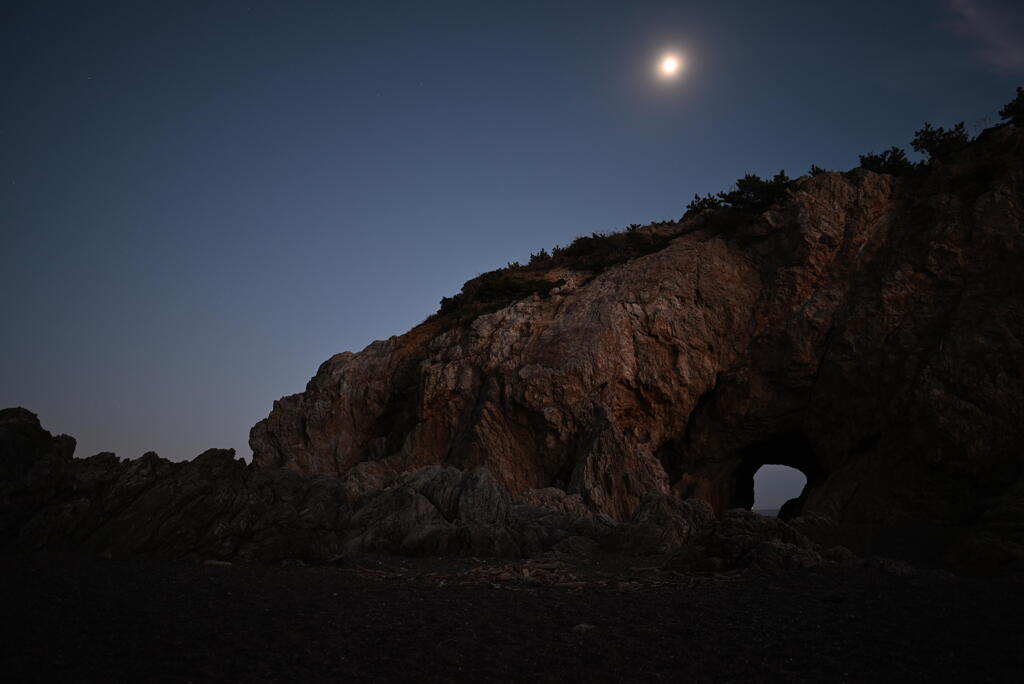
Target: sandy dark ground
x=80 y=618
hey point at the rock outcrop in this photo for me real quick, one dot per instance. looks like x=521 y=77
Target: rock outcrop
x=217 y=508
x=867 y=329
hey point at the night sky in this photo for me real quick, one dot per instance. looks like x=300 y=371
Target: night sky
x=201 y=202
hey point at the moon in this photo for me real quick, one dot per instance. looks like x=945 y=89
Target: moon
x=671 y=65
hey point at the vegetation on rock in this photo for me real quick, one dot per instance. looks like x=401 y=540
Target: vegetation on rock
x=939 y=143
x=590 y=254
x=1014 y=109
x=892 y=161
x=751 y=195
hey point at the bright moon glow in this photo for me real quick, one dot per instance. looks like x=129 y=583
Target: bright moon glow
x=671 y=65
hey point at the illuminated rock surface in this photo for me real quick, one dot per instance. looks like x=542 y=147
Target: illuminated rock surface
x=867 y=329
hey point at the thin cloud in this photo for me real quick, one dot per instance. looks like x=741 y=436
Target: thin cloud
x=998 y=25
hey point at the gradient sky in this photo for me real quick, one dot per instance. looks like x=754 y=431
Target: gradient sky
x=201 y=202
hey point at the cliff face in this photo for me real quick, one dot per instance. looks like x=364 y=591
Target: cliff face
x=867 y=330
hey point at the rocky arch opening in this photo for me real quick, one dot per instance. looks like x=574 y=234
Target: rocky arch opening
x=792 y=450
x=774 y=485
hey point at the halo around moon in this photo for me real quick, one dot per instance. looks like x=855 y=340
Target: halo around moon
x=670 y=65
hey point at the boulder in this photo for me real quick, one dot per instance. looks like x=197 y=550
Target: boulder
x=743 y=539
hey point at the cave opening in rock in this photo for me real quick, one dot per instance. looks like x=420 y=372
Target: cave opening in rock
x=774 y=485
x=765 y=478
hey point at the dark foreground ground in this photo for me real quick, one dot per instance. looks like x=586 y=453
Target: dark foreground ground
x=79 y=618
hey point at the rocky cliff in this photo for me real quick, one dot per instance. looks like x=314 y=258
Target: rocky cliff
x=867 y=329
x=620 y=394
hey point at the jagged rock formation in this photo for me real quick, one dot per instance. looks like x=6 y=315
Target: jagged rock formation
x=867 y=330
x=216 y=507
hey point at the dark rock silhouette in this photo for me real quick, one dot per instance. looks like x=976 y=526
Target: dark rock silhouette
x=215 y=507
x=742 y=539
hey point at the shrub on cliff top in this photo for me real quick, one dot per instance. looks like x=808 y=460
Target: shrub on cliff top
x=496 y=286
x=589 y=253
x=893 y=161
x=752 y=194
x=1014 y=109
x=938 y=143
x=598 y=251
x=494 y=289
x=539 y=258
x=755 y=194
x=700 y=204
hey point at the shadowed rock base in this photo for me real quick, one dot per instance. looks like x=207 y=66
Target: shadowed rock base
x=217 y=508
